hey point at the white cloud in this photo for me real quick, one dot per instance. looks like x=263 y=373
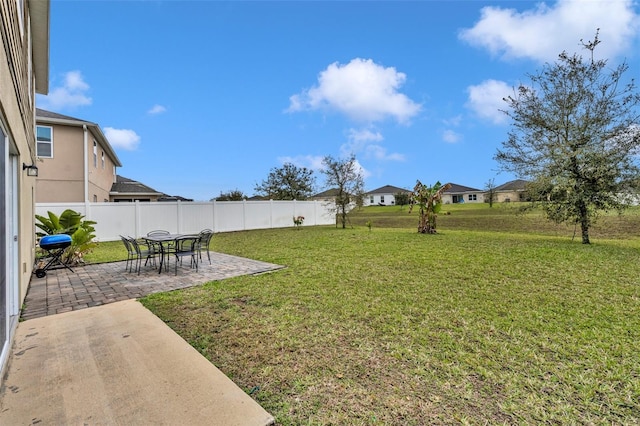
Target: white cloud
x=450 y=136
x=453 y=121
x=71 y=94
x=157 y=109
x=362 y=90
x=122 y=138
x=543 y=32
x=487 y=100
x=312 y=162
x=360 y=141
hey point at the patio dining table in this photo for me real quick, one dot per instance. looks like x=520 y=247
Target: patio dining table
x=164 y=241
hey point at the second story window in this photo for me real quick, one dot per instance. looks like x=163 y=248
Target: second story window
x=95 y=154
x=102 y=159
x=44 y=141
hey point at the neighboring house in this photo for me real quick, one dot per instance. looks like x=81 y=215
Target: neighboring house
x=328 y=195
x=383 y=196
x=24 y=71
x=128 y=190
x=76 y=163
x=462 y=194
x=514 y=190
x=125 y=189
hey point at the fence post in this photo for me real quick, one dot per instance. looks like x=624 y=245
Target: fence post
x=179 y=216
x=244 y=215
x=214 y=213
x=138 y=219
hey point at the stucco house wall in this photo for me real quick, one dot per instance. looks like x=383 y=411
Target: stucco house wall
x=82 y=166
x=462 y=194
x=24 y=70
x=384 y=195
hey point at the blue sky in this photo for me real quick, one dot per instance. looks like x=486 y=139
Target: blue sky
x=203 y=97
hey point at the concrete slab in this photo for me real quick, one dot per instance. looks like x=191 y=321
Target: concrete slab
x=116 y=364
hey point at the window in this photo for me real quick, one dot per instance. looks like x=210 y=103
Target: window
x=102 y=159
x=473 y=197
x=371 y=200
x=44 y=141
x=382 y=199
x=95 y=198
x=95 y=154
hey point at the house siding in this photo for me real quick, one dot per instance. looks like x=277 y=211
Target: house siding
x=17 y=119
x=62 y=178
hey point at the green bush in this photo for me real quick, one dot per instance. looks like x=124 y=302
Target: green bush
x=69 y=222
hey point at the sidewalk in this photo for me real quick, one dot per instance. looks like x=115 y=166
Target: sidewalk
x=116 y=364
x=87 y=353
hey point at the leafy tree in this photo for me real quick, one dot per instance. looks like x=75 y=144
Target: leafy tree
x=401 y=198
x=429 y=201
x=233 y=195
x=490 y=188
x=288 y=182
x=346 y=177
x=575 y=137
x=69 y=222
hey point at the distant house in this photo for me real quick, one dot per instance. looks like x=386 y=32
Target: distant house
x=383 y=196
x=76 y=162
x=128 y=190
x=462 y=194
x=328 y=195
x=514 y=190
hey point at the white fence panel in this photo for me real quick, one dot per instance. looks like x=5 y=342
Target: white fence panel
x=229 y=216
x=136 y=219
x=196 y=217
x=122 y=222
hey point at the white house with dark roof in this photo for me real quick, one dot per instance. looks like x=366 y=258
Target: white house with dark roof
x=462 y=194
x=383 y=196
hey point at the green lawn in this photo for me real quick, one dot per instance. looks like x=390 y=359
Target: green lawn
x=497 y=319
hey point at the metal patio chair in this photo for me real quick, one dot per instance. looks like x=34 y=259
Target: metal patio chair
x=205 y=238
x=186 y=246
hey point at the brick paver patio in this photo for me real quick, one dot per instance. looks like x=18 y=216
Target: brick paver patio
x=94 y=285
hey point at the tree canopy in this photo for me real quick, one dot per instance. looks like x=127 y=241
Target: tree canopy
x=346 y=177
x=574 y=135
x=233 y=195
x=288 y=182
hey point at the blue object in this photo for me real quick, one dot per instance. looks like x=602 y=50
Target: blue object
x=54 y=241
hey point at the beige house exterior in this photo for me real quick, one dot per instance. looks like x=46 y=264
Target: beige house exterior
x=462 y=194
x=24 y=70
x=76 y=163
x=511 y=191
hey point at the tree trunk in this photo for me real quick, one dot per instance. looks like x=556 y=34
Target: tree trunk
x=584 y=223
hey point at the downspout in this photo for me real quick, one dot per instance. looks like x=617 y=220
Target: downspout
x=86 y=165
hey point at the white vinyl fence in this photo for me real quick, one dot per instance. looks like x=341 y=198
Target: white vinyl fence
x=136 y=219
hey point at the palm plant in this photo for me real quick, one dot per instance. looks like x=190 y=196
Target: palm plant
x=429 y=200
x=69 y=222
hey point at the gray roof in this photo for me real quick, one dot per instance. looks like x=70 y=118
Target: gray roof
x=387 y=189
x=455 y=188
x=48 y=117
x=125 y=185
x=514 y=185
x=328 y=193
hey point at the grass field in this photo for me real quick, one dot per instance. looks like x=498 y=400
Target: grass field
x=498 y=319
